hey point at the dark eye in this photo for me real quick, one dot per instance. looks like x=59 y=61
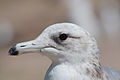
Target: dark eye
x=63 y=36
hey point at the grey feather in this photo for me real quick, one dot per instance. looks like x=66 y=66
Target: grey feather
x=112 y=74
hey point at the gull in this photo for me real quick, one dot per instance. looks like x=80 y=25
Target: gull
x=73 y=51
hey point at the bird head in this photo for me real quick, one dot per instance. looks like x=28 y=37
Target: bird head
x=59 y=42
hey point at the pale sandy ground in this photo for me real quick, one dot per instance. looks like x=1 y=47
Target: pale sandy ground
x=29 y=18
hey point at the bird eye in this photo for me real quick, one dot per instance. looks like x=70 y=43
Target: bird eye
x=63 y=36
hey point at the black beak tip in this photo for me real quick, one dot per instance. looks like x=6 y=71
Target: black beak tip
x=13 y=51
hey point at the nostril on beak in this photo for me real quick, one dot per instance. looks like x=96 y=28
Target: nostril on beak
x=13 y=51
x=23 y=46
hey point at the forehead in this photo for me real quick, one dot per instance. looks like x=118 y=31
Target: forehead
x=65 y=28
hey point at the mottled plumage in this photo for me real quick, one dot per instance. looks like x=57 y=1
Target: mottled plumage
x=73 y=51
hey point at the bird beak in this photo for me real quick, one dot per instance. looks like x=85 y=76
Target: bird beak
x=26 y=47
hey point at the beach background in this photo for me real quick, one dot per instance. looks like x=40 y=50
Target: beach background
x=23 y=20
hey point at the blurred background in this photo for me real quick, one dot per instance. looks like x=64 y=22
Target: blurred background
x=23 y=20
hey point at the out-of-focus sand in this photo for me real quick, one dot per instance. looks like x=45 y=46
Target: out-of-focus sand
x=29 y=18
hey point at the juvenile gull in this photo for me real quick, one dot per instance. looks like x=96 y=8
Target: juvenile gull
x=73 y=51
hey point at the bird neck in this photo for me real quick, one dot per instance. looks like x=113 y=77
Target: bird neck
x=90 y=70
x=78 y=58
x=87 y=65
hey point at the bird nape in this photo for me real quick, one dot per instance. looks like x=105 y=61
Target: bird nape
x=73 y=51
